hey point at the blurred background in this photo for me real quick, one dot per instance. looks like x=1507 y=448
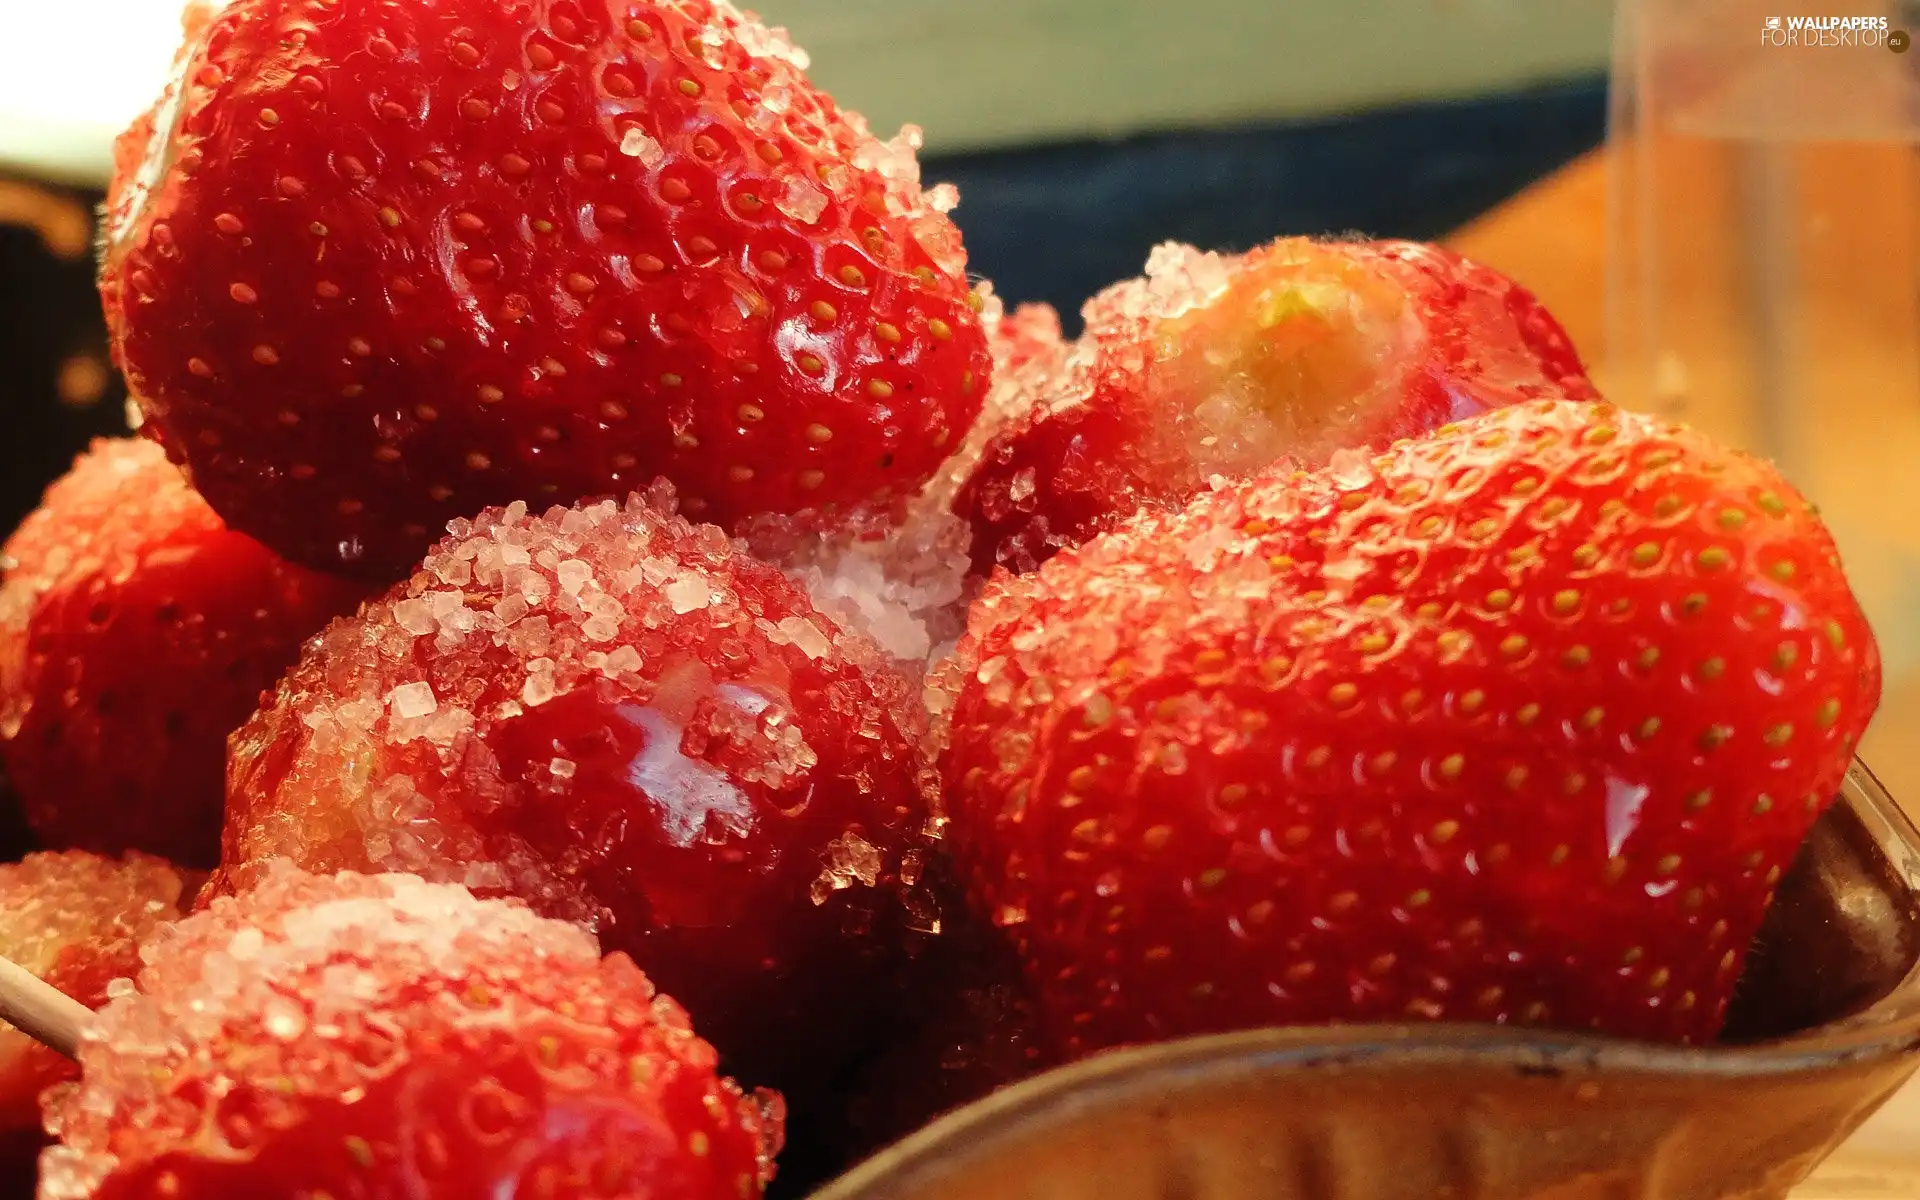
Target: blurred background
x=1744 y=253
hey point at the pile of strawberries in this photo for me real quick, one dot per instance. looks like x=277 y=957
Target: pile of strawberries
x=1332 y=651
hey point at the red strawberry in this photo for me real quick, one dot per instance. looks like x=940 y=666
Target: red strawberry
x=136 y=631
x=619 y=717
x=1216 y=366
x=76 y=920
x=379 y=1037
x=1518 y=722
x=387 y=262
x=1030 y=359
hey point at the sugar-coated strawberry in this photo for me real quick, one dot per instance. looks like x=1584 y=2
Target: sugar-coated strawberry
x=1217 y=365
x=1518 y=722
x=1026 y=340
x=616 y=715
x=380 y=263
x=1031 y=359
x=137 y=630
x=77 y=921
x=383 y=1037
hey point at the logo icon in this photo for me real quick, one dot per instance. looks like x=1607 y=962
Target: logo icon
x=1773 y=23
x=1898 y=41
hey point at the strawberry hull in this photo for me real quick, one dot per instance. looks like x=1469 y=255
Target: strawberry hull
x=1216 y=367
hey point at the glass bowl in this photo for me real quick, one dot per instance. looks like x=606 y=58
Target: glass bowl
x=1825 y=1028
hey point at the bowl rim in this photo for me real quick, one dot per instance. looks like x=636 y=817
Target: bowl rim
x=1886 y=1030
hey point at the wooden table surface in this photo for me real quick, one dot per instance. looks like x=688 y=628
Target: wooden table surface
x=1552 y=238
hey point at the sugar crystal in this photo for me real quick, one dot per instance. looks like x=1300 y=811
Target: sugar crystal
x=806 y=635
x=414 y=616
x=412 y=699
x=573 y=575
x=537 y=690
x=623 y=659
x=636 y=144
x=687 y=593
x=802 y=201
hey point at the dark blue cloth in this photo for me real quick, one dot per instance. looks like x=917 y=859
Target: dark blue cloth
x=1057 y=223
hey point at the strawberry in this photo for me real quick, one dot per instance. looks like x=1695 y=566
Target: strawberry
x=621 y=718
x=1218 y=366
x=75 y=920
x=1518 y=722
x=379 y=1037
x=386 y=262
x=1030 y=359
x=136 y=631
x=1027 y=340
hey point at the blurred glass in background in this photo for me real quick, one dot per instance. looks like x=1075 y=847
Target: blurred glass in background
x=1763 y=271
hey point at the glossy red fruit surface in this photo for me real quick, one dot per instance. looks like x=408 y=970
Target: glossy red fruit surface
x=382 y=1037
x=618 y=716
x=1518 y=722
x=76 y=920
x=137 y=630
x=1217 y=366
x=381 y=263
